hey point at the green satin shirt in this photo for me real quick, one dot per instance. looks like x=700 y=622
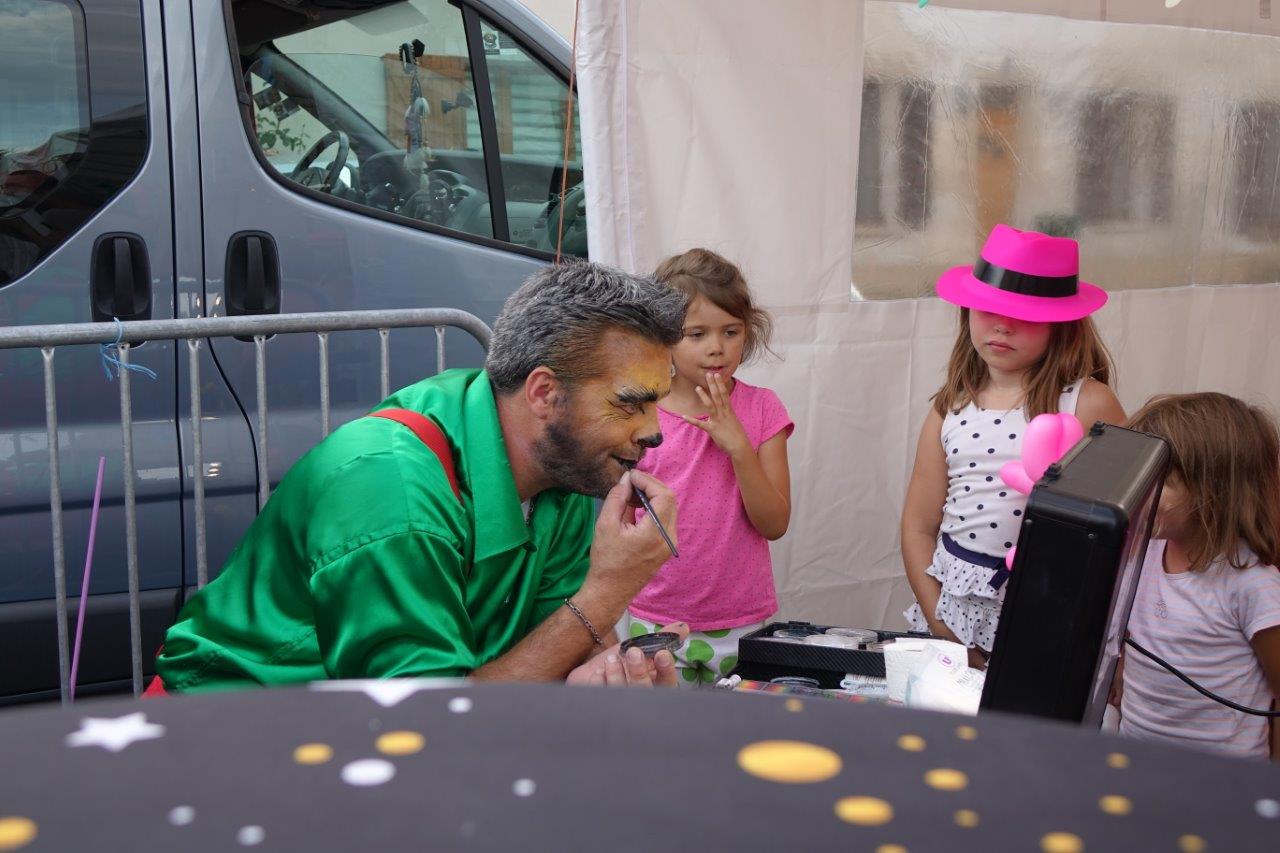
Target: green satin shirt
x=363 y=564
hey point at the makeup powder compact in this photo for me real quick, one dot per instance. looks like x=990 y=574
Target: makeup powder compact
x=791 y=636
x=653 y=643
x=862 y=636
x=833 y=641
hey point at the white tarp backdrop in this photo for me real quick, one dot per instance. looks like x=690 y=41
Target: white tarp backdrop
x=734 y=124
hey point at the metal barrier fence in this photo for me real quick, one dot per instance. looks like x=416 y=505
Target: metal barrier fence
x=194 y=331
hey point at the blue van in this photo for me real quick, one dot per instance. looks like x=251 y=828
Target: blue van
x=179 y=158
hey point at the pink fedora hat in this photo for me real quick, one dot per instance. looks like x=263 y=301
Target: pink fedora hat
x=1025 y=275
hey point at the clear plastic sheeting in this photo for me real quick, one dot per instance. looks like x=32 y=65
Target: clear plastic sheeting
x=1158 y=147
x=734 y=124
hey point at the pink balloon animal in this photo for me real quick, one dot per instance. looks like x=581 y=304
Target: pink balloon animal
x=1047 y=439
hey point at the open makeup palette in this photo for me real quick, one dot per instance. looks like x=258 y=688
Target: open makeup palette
x=821 y=652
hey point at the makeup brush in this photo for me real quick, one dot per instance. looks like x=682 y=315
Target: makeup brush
x=648 y=507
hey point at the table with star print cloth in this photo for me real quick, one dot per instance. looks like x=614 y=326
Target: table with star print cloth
x=423 y=765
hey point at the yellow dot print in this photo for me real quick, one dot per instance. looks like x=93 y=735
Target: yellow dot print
x=16 y=832
x=1115 y=805
x=967 y=733
x=794 y=705
x=313 y=753
x=945 y=779
x=1118 y=760
x=399 y=743
x=789 y=761
x=1061 y=842
x=1192 y=844
x=967 y=818
x=865 y=811
x=911 y=743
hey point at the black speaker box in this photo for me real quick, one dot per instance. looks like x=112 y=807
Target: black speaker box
x=1080 y=551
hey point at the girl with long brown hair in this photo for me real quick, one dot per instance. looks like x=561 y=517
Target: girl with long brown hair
x=1208 y=600
x=1025 y=346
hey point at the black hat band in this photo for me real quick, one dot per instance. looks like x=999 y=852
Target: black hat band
x=1025 y=283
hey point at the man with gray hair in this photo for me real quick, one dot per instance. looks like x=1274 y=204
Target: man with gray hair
x=451 y=532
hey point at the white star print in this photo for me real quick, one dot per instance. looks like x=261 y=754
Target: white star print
x=114 y=733
x=388 y=692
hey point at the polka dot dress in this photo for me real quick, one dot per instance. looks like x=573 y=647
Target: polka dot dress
x=981 y=514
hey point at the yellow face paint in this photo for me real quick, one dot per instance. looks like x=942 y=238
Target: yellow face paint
x=640 y=384
x=636 y=375
x=620 y=405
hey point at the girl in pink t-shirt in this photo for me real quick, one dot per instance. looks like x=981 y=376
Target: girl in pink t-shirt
x=1208 y=600
x=724 y=454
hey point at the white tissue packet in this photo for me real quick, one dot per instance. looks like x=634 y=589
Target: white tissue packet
x=945 y=682
x=904 y=658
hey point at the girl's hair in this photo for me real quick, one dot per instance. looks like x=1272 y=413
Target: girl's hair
x=1226 y=453
x=1075 y=352
x=701 y=272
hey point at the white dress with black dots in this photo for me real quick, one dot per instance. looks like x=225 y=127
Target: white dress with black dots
x=981 y=514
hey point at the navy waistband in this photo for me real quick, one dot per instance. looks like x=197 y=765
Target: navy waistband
x=955 y=549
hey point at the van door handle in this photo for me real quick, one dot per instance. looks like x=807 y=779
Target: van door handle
x=252 y=274
x=120 y=278
x=255 y=296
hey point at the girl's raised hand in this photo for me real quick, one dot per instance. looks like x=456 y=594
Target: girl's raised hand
x=722 y=424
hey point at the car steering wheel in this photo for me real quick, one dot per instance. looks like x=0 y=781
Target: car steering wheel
x=574 y=222
x=445 y=176
x=441 y=195
x=335 y=168
x=470 y=213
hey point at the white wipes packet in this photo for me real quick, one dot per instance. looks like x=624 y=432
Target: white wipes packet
x=904 y=655
x=946 y=682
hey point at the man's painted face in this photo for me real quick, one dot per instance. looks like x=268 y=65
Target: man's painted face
x=608 y=422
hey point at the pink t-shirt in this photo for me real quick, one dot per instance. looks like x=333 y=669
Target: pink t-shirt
x=1202 y=623
x=723 y=577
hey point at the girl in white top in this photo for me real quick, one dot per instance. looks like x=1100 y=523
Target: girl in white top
x=1025 y=346
x=1208 y=601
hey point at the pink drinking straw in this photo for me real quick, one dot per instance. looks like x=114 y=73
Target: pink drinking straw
x=88 y=566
